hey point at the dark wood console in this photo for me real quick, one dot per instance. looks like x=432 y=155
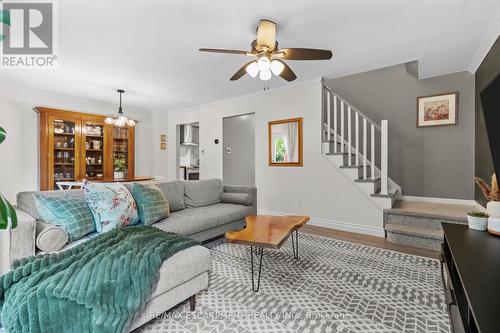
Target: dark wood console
x=471 y=264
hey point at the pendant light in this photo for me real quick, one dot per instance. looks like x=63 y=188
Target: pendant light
x=121 y=120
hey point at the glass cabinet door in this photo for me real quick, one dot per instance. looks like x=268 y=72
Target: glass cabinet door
x=120 y=151
x=63 y=159
x=93 y=150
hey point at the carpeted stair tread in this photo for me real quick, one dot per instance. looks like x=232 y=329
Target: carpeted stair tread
x=415 y=231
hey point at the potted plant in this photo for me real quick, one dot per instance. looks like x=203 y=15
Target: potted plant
x=8 y=219
x=492 y=195
x=477 y=220
x=120 y=166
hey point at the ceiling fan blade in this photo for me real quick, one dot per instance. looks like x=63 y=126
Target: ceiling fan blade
x=224 y=51
x=287 y=72
x=304 y=54
x=242 y=71
x=266 y=35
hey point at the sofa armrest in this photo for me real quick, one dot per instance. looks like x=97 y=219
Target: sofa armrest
x=17 y=243
x=244 y=189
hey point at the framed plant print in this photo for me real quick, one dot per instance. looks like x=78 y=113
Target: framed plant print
x=437 y=110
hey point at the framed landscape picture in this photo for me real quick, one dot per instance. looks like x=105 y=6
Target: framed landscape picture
x=437 y=110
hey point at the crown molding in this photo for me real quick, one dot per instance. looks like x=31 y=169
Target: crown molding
x=488 y=41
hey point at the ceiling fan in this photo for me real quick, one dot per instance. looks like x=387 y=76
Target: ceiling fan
x=270 y=57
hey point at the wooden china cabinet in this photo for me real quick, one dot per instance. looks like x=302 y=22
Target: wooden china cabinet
x=75 y=145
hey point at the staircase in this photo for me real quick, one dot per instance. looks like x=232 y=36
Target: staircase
x=358 y=147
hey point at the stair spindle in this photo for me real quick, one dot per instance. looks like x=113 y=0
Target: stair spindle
x=342 y=133
x=372 y=156
x=335 y=121
x=349 y=135
x=356 y=125
x=328 y=116
x=365 y=151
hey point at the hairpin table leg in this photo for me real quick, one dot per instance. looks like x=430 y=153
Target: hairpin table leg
x=295 y=244
x=258 y=252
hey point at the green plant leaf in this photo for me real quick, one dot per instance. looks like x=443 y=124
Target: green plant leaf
x=7 y=214
x=5 y=17
x=3 y=134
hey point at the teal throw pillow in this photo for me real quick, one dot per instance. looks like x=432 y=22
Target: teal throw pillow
x=70 y=213
x=151 y=203
x=111 y=204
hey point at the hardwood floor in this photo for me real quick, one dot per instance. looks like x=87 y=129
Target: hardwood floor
x=368 y=240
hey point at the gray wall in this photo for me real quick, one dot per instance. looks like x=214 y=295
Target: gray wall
x=489 y=69
x=431 y=162
x=238 y=134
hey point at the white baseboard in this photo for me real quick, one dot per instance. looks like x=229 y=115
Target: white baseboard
x=343 y=226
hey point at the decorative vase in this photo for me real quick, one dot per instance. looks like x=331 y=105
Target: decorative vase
x=118 y=175
x=477 y=223
x=493 y=209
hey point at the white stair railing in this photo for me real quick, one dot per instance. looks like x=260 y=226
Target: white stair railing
x=367 y=135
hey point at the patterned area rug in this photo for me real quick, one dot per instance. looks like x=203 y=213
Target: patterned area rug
x=335 y=286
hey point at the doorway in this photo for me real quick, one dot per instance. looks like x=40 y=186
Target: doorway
x=189 y=151
x=238 y=138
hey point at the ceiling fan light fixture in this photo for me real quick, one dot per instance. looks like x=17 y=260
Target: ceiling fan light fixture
x=109 y=120
x=277 y=67
x=253 y=69
x=264 y=64
x=131 y=122
x=265 y=75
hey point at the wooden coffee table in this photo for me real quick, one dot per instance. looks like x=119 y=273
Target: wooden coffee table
x=267 y=231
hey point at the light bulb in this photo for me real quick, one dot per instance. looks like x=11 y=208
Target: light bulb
x=264 y=76
x=264 y=64
x=277 y=67
x=121 y=121
x=109 y=120
x=131 y=122
x=252 y=69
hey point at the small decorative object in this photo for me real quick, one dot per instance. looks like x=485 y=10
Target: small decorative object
x=285 y=142
x=492 y=195
x=97 y=144
x=163 y=138
x=58 y=144
x=87 y=145
x=163 y=145
x=437 y=110
x=120 y=167
x=477 y=220
x=8 y=217
x=98 y=130
x=65 y=145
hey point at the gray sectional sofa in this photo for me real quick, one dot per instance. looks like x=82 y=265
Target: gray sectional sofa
x=200 y=210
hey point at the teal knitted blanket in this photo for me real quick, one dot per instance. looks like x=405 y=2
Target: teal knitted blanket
x=97 y=286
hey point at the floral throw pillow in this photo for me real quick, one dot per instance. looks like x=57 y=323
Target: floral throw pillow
x=111 y=204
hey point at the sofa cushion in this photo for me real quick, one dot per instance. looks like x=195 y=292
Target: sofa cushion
x=174 y=192
x=182 y=267
x=201 y=193
x=237 y=198
x=70 y=213
x=26 y=200
x=193 y=220
x=50 y=238
x=111 y=204
x=151 y=203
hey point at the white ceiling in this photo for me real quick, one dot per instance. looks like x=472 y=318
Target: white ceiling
x=149 y=47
